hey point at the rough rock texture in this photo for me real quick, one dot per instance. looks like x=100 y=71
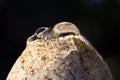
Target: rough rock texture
x=63 y=58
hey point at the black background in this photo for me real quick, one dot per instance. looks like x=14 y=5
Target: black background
x=98 y=20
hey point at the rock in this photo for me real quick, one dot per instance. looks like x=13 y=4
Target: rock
x=68 y=57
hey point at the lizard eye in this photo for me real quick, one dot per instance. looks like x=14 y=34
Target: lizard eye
x=63 y=29
x=66 y=34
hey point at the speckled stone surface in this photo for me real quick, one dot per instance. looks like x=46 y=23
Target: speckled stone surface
x=63 y=58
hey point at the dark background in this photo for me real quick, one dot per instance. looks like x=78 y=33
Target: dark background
x=98 y=20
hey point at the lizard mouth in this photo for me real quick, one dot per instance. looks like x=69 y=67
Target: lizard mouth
x=38 y=34
x=40 y=31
